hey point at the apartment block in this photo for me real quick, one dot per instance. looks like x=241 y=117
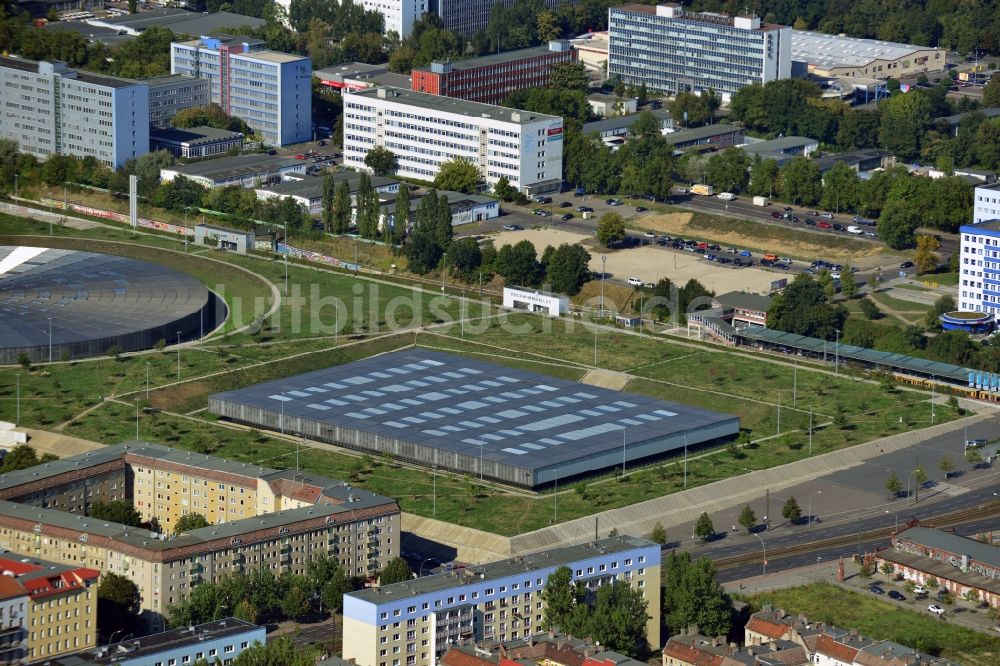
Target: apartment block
x=424 y=131
x=414 y=623
x=467 y=17
x=270 y=91
x=673 y=50
x=261 y=517
x=172 y=93
x=60 y=616
x=13 y=621
x=979 y=267
x=986 y=203
x=491 y=78
x=399 y=15
x=50 y=109
x=219 y=642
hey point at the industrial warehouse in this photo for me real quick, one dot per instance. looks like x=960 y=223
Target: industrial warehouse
x=62 y=304
x=471 y=417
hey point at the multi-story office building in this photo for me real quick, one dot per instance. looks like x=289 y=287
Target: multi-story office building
x=218 y=642
x=979 y=254
x=672 y=50
x=986 y=205
x=399 y=15
x=61 y=609
x=415 y=622
x=270 y=91
x=262 y=517
x=467 y=17
x=491 y=78
x=424 y=131
x=50 y=109
x=172 y=93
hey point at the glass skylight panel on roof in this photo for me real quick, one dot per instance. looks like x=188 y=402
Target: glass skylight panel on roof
x=591 y=412
x=375 y=411
x=282 y=398
x=511 y=394
x=608 y=408
x=583 y=433
x=663 y=412
x=471 y=425
x=456 y=391
x=451 y=428
x=646 y=417
x=373 y=394
x=398 y=371
x=553 y=422
x=412 y=402
x=506 y=380
x=516 y=452
x=434 y=433
x=472 y=404
x=490 y=383
x=470 y=371
x=430 y=361
x=532 y=408
x=472 y=387
x=396 y=424
x=415 y=367
x=492 y=436
x=396 y=388
x=533 y=447
x=379 y=375
x=431 y=415
x=449 y=410
x=623 y=403
x=334 y=401
x=488 y=419
x=357 y=415
x=433 y=396
x=550 y=441
x=335 y=385
x=494 y=399
x=568 y=400
x=474 y=441
x=585 y=396
x=452 y=375
x=318 y=406
x=413 y=419
x=550 y=404
x=416 y=383
x=392 y=406
x=318 y=389
x=511 y=414
x=545 y=387
x=354 y=398
x=510 y=433
x=631 y=422
x=299 y=394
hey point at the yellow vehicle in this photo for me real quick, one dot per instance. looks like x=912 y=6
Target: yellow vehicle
x=703 y=190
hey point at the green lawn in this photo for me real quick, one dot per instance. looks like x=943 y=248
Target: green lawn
x=823 y=602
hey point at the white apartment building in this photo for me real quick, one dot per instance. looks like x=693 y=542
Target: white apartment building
x=424 y=131
x=986 y=204
x=50 y=109
x=979 y=256
x=673 y=50
x=270 y=91
x=172 y=93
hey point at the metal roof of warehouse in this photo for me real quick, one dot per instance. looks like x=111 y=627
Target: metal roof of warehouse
x=464 y=406
x=818 y=346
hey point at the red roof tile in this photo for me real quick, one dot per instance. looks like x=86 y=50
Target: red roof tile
x=691 y=655
x=759 y=625
x=829 y=646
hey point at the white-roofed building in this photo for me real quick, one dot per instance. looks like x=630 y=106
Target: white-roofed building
x=852 y=57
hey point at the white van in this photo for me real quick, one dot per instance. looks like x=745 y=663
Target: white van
x=634 y=281
x=854 y=230
x=726 y=196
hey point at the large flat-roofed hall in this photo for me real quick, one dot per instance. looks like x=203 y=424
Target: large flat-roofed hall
x=472 y=417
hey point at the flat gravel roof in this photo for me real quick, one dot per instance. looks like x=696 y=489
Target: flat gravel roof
x=458 y=405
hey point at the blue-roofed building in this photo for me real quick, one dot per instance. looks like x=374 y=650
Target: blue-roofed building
x=472 y=417
x=420 y=619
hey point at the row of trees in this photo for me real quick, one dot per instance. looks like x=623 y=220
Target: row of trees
x=431 y=235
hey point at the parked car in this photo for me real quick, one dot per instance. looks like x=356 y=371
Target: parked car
x=838 y=227
x=937 y=610
x=641 y=209
x=975 y=443
x=824 y=225
x=543 y=199
x=544 y=213
x=898 y=596
x=584 y=209
x=565 y=204
x=634 y=281
x=828 y=216
x=512 y=227
x=613 y=202
x=810 y=222
x=875 y=589
x=787 y=209
x=566 y=216
x=649 y=234
x=775 y=215
x=579 y=192
x=906 y=264
x=683 y=190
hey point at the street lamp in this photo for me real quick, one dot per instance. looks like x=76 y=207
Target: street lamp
x=420 y=569
x=765 y=551
x=836 y=355
x=50 y=340
x=286 y=258
x=137 y=419
x=810 y=516
x=604 y=259
x=147 y=380
x=178 y=355
x=18 y=417
x=896 y=516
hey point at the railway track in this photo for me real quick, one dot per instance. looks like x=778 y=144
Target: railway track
x=978 y=512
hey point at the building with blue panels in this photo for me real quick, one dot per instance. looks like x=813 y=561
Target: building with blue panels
x=217 y=642
x=471 y=417
x=415 y=622
x=970 y=322
x=979 y=267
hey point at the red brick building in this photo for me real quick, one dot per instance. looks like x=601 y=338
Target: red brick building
x=491 y=78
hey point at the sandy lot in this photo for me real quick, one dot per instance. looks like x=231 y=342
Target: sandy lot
x=652 y=263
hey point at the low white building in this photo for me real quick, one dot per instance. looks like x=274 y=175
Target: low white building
x=424 y=131
x=244 y=170
x=607 y=106
x=308 y=191
x=232 y=240
x=532 y=300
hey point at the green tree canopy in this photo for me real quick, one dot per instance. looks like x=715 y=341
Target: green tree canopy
x=803 y=308
x=748 y=519
x=116 y=511
x=610 y=229
x=458 y=175
x=396 y=570
x=518 y=264
x=117 y=601
x=23 y=456
x=567 y=268
x=703 y=526
x=560 y=597
x=381 y=161
x=791 y=510
x=190 y=521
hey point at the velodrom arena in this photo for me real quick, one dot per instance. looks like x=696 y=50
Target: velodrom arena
x=63 y=304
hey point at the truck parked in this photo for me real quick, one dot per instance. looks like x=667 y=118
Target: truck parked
x=703 y=190
x=760 y=201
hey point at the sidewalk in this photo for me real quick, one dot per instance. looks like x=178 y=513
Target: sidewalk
x=960 y=612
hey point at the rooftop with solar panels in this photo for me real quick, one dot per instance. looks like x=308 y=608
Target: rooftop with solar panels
x=473 y=417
